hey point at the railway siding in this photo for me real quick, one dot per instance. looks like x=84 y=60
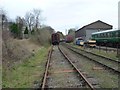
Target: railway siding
x=109 y=63
x=61 y=74
x=105 y=78
x=100 y=52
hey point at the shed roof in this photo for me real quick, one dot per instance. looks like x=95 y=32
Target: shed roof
x=92 y=24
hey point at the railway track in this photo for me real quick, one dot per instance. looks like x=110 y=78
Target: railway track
x=108 y=63
x=60 y=72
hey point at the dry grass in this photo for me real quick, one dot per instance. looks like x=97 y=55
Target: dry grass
x=15 y=51
x=27 y=73
x=26 y=43
x=42 y=37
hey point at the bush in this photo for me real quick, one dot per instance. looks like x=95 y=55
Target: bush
x=42 y=36
x=26 y=31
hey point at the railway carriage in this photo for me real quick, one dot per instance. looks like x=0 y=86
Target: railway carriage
x=108 y=37
x=55 y=38
x=69 y=39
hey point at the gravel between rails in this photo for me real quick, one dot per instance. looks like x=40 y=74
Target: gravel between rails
x=102 y=76
x=105 y=61
x=61 y=74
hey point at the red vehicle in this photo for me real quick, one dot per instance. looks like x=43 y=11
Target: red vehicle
x=55 y=39
x=69 y=39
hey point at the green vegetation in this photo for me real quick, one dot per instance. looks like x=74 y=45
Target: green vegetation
x=112 y=55
x=14 y=29
x=25 y=74
x=42 y=36
x=20 y=68
x=0 y=75
x=26 y=31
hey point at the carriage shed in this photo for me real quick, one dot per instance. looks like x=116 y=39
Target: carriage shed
x=86 y=31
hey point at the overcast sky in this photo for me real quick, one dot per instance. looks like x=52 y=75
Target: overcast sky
x=65 y=14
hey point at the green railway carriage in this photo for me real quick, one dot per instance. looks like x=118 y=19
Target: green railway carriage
x=109 y=37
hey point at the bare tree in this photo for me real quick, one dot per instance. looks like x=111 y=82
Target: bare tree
x=29 y=19
x=37 y=18
x=20 y=25
x=33 y=20
x=3 y=18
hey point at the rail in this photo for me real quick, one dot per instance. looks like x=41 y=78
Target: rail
x=46 y=70
x=84 y=78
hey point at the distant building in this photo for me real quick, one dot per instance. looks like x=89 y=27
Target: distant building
x=86 y=31
x=119 y=14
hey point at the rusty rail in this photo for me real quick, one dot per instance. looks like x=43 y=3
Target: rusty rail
x=94 y=54
x=46 y=69
x=108 y=67
x=84 y=78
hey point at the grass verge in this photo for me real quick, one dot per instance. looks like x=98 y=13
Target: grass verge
x=26 y=74
x=112 y=55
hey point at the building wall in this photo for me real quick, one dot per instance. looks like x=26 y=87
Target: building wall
x=80 y=33
x=89 y=33
x=119 y=15
x=87 y=30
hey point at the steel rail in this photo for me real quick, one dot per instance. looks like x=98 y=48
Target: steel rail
x=84 y=78
x=46 y=69
x=96 y=55
x=116 y=71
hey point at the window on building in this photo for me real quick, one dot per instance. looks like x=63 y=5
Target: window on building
x=103 y=34
x=108 y=34
x=100 y=35
x=116 y=34
x=96 y=36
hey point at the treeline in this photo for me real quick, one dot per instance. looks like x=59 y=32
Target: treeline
x=28 y=27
